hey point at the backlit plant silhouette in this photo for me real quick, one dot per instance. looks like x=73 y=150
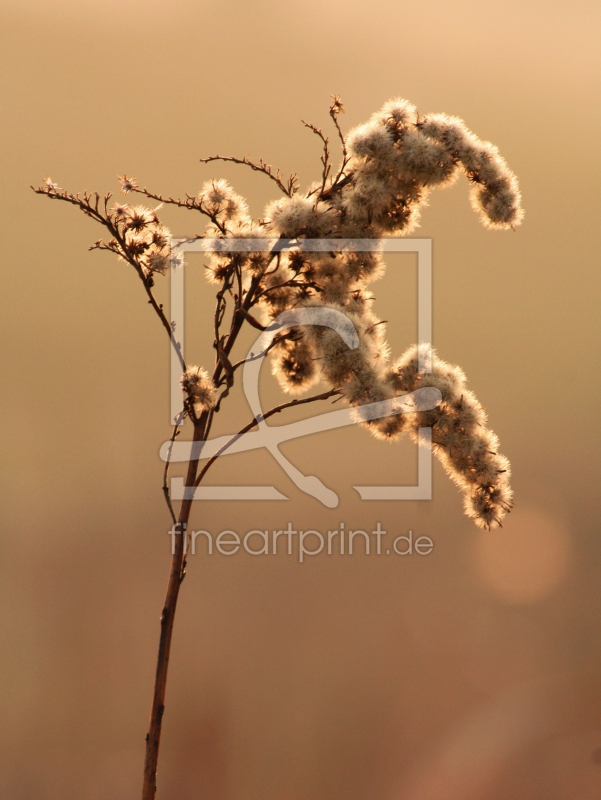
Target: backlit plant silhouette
x=388 y=167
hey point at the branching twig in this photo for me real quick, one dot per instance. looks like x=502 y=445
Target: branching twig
x=289 y=190
x=326 y=153
x=250 y=319
x=274 y=342
x=335 y=109
x=174 y=435
x=251 y=425
x=191 y=203
x=89 y=204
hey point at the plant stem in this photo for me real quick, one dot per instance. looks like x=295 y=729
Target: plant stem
x=176 y=576
x=153 y=737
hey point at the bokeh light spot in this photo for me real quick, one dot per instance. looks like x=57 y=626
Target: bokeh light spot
x=524 y=561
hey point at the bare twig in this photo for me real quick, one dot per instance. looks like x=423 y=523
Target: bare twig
x=89 y=204
x=274 y=342
x=291 y=282
x=191 y=203
x=326 y=153
x=174 y=435
x=251 y=425
x=251 y=320
x=289 y=189
x=335 y=109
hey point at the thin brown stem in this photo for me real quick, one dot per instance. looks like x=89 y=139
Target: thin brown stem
x=290 y=189
x=191 y=203
x=326 y=153
x=176 y=577
x=251 y=425
x=177 y=573
x=335 y=109
x=174 y=435
x=89 y=204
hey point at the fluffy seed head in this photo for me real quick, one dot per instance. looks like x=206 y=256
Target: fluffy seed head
x=199 y=387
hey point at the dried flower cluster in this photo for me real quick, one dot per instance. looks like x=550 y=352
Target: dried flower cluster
x=144 y=237
x=467 y=449
x=389 y=166
x=198 y=386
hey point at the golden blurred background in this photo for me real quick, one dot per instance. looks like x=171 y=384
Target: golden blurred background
x=473 y=673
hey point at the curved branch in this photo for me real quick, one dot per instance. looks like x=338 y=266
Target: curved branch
x=251 y=425
x=289 y=190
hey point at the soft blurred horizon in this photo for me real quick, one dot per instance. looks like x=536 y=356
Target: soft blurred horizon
x=473 y=673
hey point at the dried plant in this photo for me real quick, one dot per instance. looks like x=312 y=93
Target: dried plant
x=388 y=167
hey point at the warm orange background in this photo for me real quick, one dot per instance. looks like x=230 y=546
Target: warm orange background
x=471 y=674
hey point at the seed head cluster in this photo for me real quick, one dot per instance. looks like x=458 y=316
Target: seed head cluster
x=199 y=388
x=145 y=238
x=391 y=164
